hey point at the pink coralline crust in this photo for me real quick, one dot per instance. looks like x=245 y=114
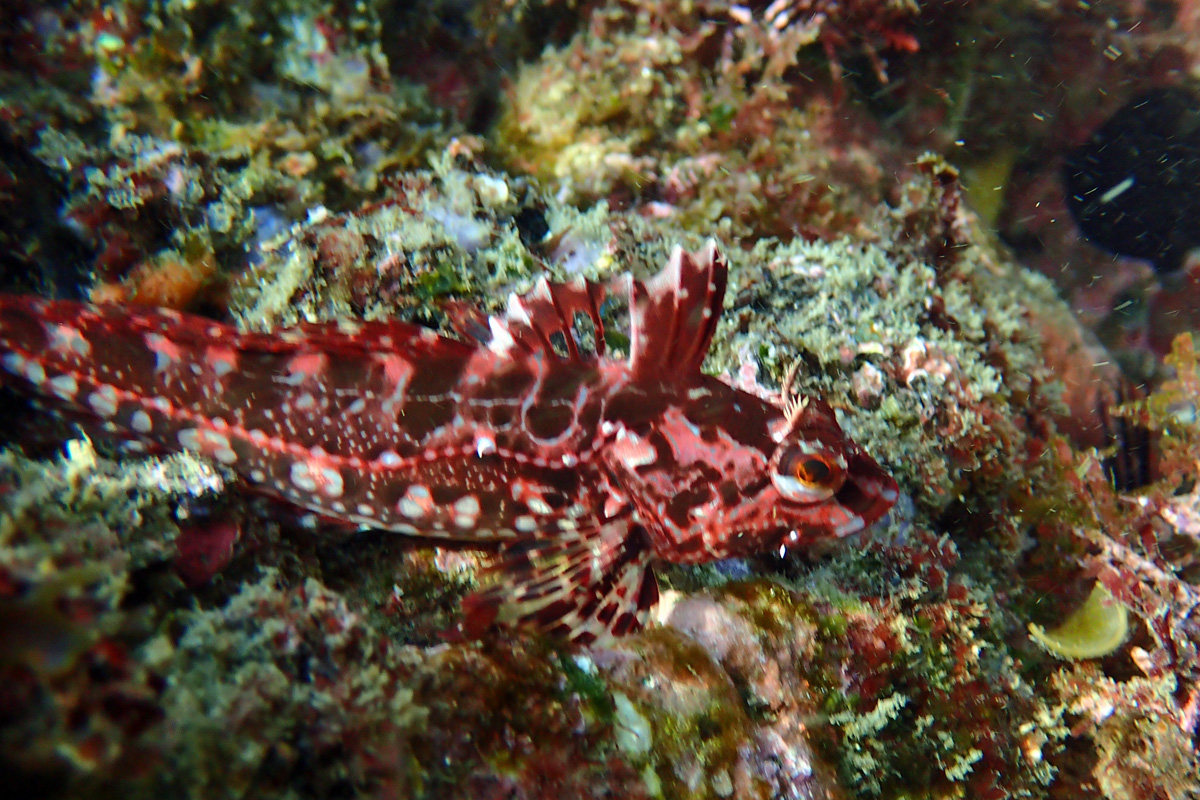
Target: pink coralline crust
x=204 y=550
x=874 y=28
x=1138 y=706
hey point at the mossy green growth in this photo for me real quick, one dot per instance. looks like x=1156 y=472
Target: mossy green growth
x=278 y=676
x=927 y=373
x=442 y=281
x=697 y=720
x=584 y=680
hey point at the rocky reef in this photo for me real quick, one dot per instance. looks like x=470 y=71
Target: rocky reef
x=883 y=176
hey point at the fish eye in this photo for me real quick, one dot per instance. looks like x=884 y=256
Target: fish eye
x=806 y=472
x=812 y=470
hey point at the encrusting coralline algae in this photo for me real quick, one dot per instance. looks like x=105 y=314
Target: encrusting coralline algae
x=167 y=632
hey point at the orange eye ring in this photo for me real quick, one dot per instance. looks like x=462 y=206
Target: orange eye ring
x=813 y=470
x=806 y=472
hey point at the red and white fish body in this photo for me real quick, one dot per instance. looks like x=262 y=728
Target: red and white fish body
x=580 y=468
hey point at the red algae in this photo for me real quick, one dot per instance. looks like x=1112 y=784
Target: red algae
x=280 y=163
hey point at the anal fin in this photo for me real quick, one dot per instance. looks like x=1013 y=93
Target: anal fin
x=592 y=587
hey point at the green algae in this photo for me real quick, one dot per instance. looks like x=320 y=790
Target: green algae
x=1095 y=629
x=932 y=365
x=697 y=720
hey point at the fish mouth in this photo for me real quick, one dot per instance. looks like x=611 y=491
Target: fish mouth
x=868 y=492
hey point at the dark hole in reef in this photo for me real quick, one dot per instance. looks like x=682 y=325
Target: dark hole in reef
x=1130 y=463
x=707 y=727
x=532 y=226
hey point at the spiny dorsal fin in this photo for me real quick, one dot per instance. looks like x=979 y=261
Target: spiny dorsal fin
x=675 y=313
x=592 y=587
x=533 y=319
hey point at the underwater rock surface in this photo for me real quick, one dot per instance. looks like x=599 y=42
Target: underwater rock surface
x=165 y=632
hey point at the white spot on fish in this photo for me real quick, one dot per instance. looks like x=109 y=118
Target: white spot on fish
x=525 y=523
x=301 y=477
x=389 y=458
x=14 y=363
x=141 y=422
x=539 y=506
x=331 y=482
x=222 y=360
x=416 y=503
x=304 y=367
x=305 y=401
x=103 y=401
x=64 y=386
x=410 y=508
x=485 y=444
x=217 y=445
x=34 y=372
x=64 y=339
x=467 y=505
x=189 y=439
x=166 y=352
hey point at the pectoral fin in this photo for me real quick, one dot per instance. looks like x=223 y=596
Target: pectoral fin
x=592 y=587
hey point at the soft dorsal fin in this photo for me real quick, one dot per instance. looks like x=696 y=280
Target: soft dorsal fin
x=534 y=320
x=674 y=314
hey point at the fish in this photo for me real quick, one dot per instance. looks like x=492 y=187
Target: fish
x=579 y=469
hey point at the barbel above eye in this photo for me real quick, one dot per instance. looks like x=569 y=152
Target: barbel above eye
x=807 y=472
